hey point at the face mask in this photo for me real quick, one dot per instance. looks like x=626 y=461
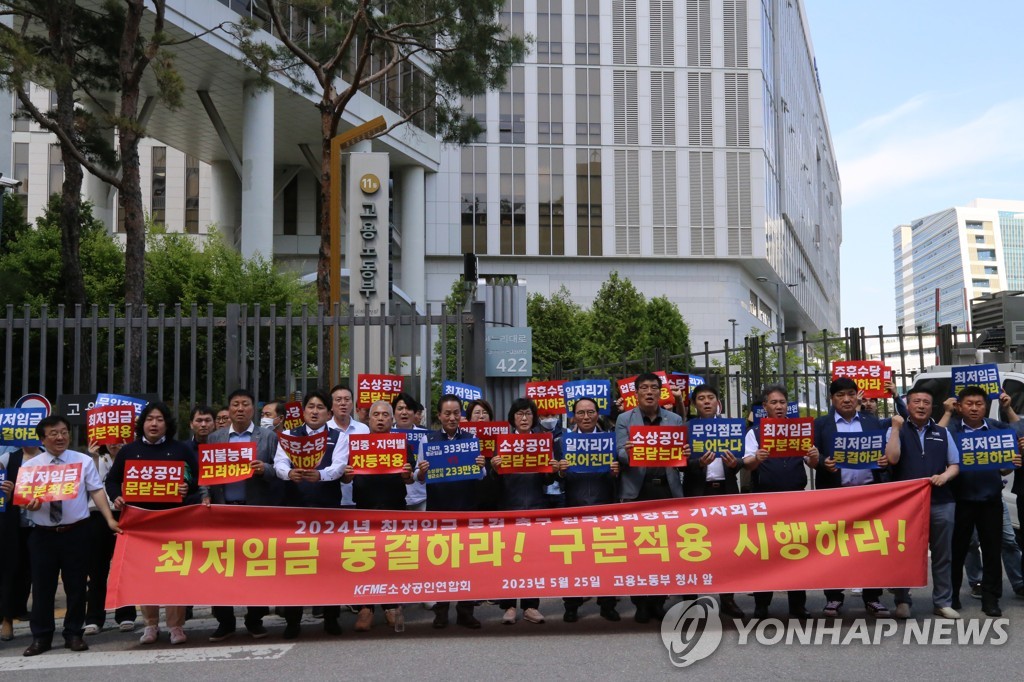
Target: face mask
x=549 y=423
x=267 y=422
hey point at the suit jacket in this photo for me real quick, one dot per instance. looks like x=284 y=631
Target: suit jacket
x=824 y=433
x=631 y=479
x=266 y=490
x=696 y=477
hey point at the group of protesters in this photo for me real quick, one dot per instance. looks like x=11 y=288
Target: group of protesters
x=74 y=540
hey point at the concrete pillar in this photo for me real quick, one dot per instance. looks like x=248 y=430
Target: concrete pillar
x=102 y=196
x=257 y=224
x=226 y=205
x=412 y=200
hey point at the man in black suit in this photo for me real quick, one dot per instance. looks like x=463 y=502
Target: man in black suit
x=262 y=488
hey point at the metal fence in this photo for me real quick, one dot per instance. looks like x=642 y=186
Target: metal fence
x=190 y=355
x=739 y=372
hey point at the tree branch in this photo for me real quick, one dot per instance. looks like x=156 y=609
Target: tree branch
x=353 y=28
x=303 y=56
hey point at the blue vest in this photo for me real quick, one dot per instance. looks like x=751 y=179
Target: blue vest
x=321 y=493
x=977 y=486
x=915 y=463
x=779 y=474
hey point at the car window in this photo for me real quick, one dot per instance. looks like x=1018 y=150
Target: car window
x=1015 y=389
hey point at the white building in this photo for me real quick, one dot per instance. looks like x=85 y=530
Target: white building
x=956 y=255
x=683 y=143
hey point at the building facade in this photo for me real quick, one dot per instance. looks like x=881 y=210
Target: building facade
x=682 y=143
x=945 y=259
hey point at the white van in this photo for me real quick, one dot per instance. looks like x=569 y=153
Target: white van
x=938 y=381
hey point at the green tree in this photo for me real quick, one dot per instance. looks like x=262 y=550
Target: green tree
x=618 y=323
x=668 y=332
x=13 y=222
x=30 y=264
x=459 y=48
x=559 y=327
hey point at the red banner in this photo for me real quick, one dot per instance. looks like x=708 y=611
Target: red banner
x=657 y=446
x=147 y=480
x=305 y=452
x=870 y=375
x=374 y=387
x=791 y=437
x=548 y=395
x=486 y=433
x=377 y=453
x=293 y=415
x=110 y=425
x=49 y=483
x=811 y=540
x=225 y=462
x=525 y=453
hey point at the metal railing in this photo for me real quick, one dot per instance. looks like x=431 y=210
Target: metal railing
x=190 y=355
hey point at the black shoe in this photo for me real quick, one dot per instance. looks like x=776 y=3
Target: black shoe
x=291 y=631
x=609 y=613
x=730 y=609
x=976 y=590
x=992 y=610
x=571 y=616
x=75 y=643
x=332 y=627
x=643 y=614
x=37 y=647
x=800 y=613
x=440 y=617
x=658 y=613
x=222 y=632
x=257 y=630
x=760 y=612
x=318 y=612
x=466 y=619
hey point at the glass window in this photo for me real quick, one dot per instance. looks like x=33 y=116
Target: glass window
x=290 y=207
x=55 y=180
x=589 y=240
x=974 y=225
x=551 y=201
x=474 y=199
x=21 y=121
x=191 y=195
x=21 y=166
x=158 y=200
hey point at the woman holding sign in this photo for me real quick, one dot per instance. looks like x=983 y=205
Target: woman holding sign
x=312 y=486
x=155 y=471
x=522 y=491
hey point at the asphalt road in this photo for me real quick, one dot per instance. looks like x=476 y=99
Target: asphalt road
x=589 y=649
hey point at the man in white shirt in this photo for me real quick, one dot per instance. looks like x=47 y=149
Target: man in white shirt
x=59 y=545
x=341 y=420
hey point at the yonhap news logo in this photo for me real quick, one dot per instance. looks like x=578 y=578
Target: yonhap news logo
x=691 y=631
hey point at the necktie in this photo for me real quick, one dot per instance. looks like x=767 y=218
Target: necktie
x=56 y=508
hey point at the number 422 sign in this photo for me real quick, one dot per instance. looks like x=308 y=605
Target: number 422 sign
x=508 y=352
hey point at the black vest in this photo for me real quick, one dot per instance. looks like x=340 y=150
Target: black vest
x=917 y=463
x=321 y=493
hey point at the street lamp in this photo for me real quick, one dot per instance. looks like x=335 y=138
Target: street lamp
x=781 y=322
x=733 y=322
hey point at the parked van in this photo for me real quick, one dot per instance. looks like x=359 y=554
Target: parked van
x=939 y=382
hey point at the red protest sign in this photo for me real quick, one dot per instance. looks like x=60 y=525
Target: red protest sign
x=377 y=453
x=869 y=375
x=681 y=382
x=293 y=415
x=48 y=483
x=486 y=433
x=110 y=425
x=148 y=480
x=791 y=437
x=225 y=462
x=738 y=543
x=657 y=446
x=524 y=453
x=548 y=395
x=305 y=452
x=373 y=387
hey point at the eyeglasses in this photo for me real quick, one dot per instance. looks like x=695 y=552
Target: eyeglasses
x=523 y=413
x=585 y=413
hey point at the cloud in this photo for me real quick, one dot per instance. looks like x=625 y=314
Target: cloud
x=903 y=153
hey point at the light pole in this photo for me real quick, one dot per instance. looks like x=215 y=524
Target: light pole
x=780 y=333
x=733 y=322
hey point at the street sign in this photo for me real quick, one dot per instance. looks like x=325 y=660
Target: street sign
x=508 y=352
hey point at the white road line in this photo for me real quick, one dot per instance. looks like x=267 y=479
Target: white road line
x=98 y=659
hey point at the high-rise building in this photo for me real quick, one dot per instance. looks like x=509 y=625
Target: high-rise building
x=945 y=259
x=682 y=143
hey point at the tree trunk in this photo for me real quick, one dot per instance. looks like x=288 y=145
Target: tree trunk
x=323 y=267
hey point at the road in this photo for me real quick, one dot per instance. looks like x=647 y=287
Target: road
x=591 y=648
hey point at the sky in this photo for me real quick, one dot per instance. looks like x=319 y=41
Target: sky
x=925 y=102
